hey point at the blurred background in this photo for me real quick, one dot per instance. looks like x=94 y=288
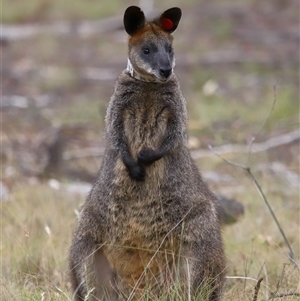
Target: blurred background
x=238 y=65
x=60 y=60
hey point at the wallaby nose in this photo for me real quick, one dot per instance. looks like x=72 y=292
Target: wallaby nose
x=165 y=71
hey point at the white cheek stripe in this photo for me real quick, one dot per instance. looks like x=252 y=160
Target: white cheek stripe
x=137 y=75
x=129 y=67
x=140 y=77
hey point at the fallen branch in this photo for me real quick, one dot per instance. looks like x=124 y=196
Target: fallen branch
x=90 y=152
x=256 y=148
x=197 y=154
x=17 y=32
x=83 y=28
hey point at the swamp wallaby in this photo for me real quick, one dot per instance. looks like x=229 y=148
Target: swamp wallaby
x=149 y=226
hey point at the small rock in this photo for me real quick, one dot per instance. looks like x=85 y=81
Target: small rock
x=54 y=184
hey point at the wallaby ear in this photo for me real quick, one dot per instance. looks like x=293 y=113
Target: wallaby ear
x=169 y=20
x=134 y=19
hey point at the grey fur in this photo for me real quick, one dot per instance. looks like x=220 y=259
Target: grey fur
x=149 y=220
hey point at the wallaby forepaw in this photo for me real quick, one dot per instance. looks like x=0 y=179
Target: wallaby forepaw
x=137 y=172
x=147 y=156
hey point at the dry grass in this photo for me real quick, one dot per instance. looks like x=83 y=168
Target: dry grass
x=37 y=225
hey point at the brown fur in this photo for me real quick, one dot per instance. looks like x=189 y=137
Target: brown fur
x=144 y=232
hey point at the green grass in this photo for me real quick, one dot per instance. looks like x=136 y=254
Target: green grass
x=244 y=111
x=19 y=11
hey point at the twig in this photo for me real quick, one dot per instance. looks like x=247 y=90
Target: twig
x=61 y=291
x=279 y=283
x=242 y=277
x=257 y=287
x=246 y=278
x=256 y=184
x=282 y=295
x=267 y=280
x=189 y=279
x=263 y=124
x=258 y=187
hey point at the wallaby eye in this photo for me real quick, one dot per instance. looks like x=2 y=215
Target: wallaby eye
x=146 y=50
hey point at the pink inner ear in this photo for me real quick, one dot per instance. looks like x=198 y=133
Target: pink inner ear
x=167 y=23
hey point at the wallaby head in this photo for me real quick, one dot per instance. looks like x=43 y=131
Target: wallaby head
x=150 y=52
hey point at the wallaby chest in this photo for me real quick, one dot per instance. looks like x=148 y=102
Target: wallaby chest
x=145 y=120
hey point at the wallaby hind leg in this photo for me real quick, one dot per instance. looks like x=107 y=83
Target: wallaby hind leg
x=91 y=275
x=209 y=280
x=105 y=278
x=80 y=251
x=203 y=270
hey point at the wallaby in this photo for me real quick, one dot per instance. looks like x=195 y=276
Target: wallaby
x=149 y=227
